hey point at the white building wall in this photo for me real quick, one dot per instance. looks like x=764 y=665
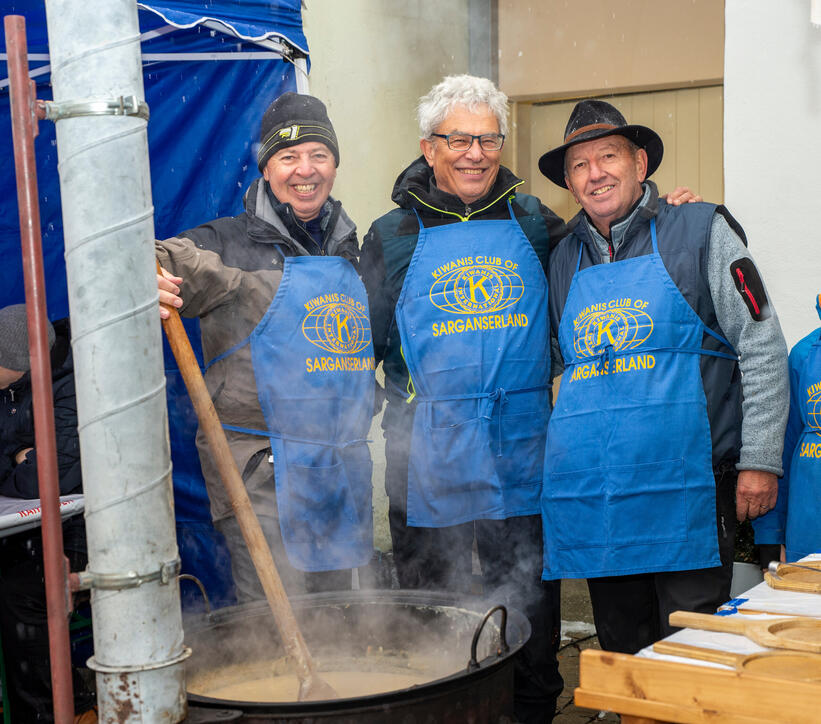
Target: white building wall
x=772 y=148
x=370 y=63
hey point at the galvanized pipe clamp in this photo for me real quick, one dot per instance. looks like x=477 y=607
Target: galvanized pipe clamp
x=121 y=106
x=116 y=581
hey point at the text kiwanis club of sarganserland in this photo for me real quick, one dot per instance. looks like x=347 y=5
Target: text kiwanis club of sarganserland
x=475 y=290
x=610 y=327
x=340 y=325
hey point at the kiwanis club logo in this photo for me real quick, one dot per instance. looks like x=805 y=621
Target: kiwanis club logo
x=620 y=323
x=814 y=408
x=337 y=324
x=810 y=446
x=476 y=285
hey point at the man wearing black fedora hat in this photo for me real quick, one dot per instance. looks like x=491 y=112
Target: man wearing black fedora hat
x=670 y=418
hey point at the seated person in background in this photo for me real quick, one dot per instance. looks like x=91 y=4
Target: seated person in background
x=23 y=615
x=664 y=327
x=286 y=338
x=796 y=521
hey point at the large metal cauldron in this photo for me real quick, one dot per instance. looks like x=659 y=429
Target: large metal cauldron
x=434 y=630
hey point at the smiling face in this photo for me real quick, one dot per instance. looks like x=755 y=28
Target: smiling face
x=466 y=174
x=605 y=177
x=302 y=176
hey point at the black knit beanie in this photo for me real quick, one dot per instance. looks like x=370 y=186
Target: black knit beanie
x=14 y=338
x=291 y=119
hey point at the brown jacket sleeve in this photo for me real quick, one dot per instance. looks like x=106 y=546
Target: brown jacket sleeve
x=206 y=282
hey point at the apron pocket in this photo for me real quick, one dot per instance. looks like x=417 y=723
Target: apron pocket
x=455 y=459
x=574 y=505
x=647 y=503
x=451 y=477
x=319 y=502
x=523 y=442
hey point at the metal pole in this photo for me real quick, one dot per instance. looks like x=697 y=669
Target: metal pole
x=24 y=129
x=105 y=190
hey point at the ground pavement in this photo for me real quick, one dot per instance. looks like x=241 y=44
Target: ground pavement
x=578 y=634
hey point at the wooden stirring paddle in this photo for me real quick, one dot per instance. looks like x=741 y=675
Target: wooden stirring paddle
x=311 y=685
x=793 y=665
x=796 y=634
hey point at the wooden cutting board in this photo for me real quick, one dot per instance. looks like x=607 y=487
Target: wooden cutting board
x=799 y=580
x=793 y=665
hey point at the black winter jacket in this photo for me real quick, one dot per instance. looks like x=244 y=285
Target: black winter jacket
x=17 y=429
x=391 y=241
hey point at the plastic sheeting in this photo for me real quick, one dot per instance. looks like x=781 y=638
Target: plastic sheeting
x=206 y=101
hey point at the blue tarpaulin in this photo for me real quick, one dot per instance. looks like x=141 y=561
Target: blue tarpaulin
x=207 y=93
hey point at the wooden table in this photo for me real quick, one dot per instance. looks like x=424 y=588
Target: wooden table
x=647 y=690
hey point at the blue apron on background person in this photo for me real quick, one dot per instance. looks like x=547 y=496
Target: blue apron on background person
x=472 y=318
x=803 y=533
x=313 y=362
x=629 y=484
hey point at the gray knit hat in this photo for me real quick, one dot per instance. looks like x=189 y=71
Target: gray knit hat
x=14 y=338
x=291 y=119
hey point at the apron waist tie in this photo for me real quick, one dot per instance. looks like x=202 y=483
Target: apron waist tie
x=500 y=395
x=294 y=438
x=609 y=354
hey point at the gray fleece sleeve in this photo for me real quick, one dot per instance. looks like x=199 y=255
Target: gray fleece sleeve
x=763 y=356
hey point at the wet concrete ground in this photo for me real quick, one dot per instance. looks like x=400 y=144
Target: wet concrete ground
x=578 y=634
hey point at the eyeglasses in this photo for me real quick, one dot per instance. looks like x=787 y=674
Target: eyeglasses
x=463 y=141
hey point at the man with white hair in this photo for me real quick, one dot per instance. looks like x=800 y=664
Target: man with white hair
x=458 y=298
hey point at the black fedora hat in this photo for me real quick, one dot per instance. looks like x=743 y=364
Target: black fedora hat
x=593 y=119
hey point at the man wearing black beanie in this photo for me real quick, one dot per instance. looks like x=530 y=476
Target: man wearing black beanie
x=285 y=331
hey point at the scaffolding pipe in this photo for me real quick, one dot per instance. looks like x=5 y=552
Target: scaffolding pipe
x=24 y=129
x=108 y=224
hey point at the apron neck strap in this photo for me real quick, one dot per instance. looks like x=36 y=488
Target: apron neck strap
x=653 y=235
x=510 y=209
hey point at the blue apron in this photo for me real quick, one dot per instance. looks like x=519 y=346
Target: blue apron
x=314 y=367
x=629 y=485
x=472 y=318
x=803 y=516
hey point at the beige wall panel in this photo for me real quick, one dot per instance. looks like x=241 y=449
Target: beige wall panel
x=687 y=139
x=688 y=121
x=711 y=149
x=553 y=49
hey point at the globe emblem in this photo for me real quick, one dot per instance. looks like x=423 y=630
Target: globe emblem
x=337 y=327
x=476 y=289
x=622 y=328
x=814 y=411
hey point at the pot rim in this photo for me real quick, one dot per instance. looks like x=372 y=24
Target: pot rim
x=436 y=599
